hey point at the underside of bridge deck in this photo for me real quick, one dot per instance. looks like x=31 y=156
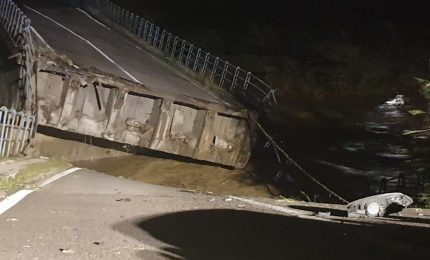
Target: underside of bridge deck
x=125 y=112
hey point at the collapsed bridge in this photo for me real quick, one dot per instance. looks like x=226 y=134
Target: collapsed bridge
x=103 y=72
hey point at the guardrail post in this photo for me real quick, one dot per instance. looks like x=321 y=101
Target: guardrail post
x=151 y=34
x=140 y=28
x=123 y=17
x=205 y=64
x=175 y=43
x=246 y=83
x=196 y=61
x=169 y=39
x=234 y=82
x=115 y=13
x=10 y=19
x=119 y=11
x=111 y=10
x=224 y=73
x=182 y=50
x=190 y=50
x=214 y=68
x=131 y=22
x=145 y=30
x=136 y=23
x=163 y=36
x=4 y=118
x=17 y=25
x=10 y=130
x=156 y=36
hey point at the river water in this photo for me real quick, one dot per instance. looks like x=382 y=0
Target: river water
x=378 y=157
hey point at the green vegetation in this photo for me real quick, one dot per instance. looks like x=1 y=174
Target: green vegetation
x=31 y=174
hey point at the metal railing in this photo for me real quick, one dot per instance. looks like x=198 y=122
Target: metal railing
x=17 y=25
x=239 y=82
x=16 y=131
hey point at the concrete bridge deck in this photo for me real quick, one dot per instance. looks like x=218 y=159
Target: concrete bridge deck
x=94 y=80
x=89 y=43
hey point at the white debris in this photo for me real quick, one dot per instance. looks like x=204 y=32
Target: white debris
x=397 y=101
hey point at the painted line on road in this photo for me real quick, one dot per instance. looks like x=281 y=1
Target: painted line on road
x=15 y=198
x=88 y=42
x=270 y=206
x=59 y=176
x=92 y=18
x=12 y=200
x=40 y=37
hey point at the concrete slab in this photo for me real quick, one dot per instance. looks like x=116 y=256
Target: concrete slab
x=126 y=58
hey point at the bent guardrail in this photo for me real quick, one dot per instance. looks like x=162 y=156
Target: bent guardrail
x=16 y=131
x=239 y=82
x=17 y=25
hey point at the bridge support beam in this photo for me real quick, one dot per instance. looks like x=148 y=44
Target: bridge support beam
x=129 y=113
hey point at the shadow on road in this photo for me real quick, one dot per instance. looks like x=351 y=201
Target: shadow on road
x=233 y=234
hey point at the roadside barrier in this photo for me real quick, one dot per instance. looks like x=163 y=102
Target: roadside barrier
x=241 y=83
x=18 y=27
x=16 y=131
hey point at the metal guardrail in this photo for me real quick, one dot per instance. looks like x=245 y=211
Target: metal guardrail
x=17 y=25
x=239 y=82
x=16 y=130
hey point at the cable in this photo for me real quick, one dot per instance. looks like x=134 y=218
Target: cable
x=288 y=157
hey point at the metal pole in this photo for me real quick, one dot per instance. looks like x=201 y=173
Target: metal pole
x=175 y=43
x=233 y=83
x=224 y=72
x=196 y=62
x=190 y=50
x=214 y=68
x=205 y=64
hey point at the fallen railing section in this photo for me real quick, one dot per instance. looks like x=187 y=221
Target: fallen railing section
x=16 y=131
x=17 y=25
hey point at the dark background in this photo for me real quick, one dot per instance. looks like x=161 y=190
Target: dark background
x=325 y=54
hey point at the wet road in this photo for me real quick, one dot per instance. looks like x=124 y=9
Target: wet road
x=86 y=215
x=89 y=43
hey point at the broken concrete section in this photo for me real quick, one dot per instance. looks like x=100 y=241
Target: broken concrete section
x=122 y=111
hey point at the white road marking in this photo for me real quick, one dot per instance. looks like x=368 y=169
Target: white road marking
x=59 y=176
x=12 y=200
x=40 y=37
x=15 y=198
x=92 y=18
x=269 y=206
x=88 y=42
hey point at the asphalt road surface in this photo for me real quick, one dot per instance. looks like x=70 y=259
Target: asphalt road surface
x=89 y=43
x=86 y=215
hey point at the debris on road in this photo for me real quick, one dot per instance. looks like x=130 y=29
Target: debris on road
x=67 y=251
x=123 y=200
x=379 y=205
